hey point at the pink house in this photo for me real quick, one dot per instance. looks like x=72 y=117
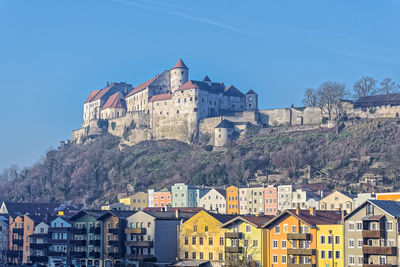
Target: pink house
x=271 y=200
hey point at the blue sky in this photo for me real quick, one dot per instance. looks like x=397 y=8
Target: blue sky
x=52 y=53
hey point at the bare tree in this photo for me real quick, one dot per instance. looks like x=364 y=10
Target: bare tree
x=330 y=95
x=388 y=86
x=366 y=86
x=310 y=98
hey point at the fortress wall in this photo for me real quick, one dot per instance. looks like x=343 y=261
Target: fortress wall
x=377 y=112
x=275 y=117
x=140 y=118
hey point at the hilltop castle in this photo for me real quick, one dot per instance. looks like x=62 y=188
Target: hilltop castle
x=171 y=106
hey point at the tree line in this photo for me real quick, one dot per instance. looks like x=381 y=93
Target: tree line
x=329 y=94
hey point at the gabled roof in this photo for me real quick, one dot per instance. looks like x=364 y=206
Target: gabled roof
x=341 y=192
x=206 y=79
x=93 y=213
x=225 y=124
x=251 y=92
x=320 y=217
x=213 y=88
x=223 y=218
x=233 y=91
x=92 y=95
x=20 y=208
x=220 y=191
x=389 y=206
x=179 y=64
x=142 y=86
x=120 y=214
x=257 y=221
x=160 y=97
x=115 y=101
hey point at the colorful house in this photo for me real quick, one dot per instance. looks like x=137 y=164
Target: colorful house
x=202 y=238
x=162 y=198
x=232 y=200
x=59 y=235
x=337 y=201
x=271 y=200
x=214 y=200
x=292 y=237
x=137 y=201
x=394 y=196
x=244 y=240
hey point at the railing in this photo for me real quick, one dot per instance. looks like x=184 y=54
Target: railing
x=14 y=253
x=94 y=243
x=95 y=230
x=300 y=236
x=95 y=255
x=59 y=229
x=18 y=242
x=300 y=251
x=56 y=253
x=76 y=242
x=136 y=231
x=236 y=235
x=79 y=231
x=301 y=265
x=373 y=234
x=57 y=241
x=19 y=231
x=115 y=255
x=114 y=242
x=389 y=251
x=233 y=249
x=142 y=244
x=113 y=230
x=379 y=265
x=146 y=258
x=34 y=259
x=76 y=254
x=38 y=245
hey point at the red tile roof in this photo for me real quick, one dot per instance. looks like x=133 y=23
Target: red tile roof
x=160 y=97
x=233 y=91
x=142 y=86
x=102 y=93
x=92 y=95
x=115 y=101
x=180 y=64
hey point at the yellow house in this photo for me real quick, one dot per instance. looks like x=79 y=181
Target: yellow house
x=244 y=238
x=202 y=238
x=337 y=201
x=330 y=237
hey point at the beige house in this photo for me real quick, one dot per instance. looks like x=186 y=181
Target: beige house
x=136 y=201
x=214 y=201
x=372 y=235
x=337 y=201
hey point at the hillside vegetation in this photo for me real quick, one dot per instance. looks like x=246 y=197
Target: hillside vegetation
x=96 y=172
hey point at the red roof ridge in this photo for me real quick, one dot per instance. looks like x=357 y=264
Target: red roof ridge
x=114 y=101
x=160 y=97
x=92 y=94
x=180 y=64
x=143 y=86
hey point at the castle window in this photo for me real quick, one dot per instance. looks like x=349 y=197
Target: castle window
x=181 y=72
x=195 y=110
x=160 y=112
x=202 y=100
x=191 y=99
x=177 y=111
x=184 y=100
x=181 y=91
x=179 y=101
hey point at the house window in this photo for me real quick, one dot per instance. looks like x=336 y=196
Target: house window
x=194 y=240
x=210 y=241
x=255 y=243
x=194 y=255
x=351 y=260
x=206 y=228
x=277 y=229
x=201 y=240
x=186 y=240
x=201 y=255
x=248 y=228
x=221 y=241
x=330 y=254
x=323 y=254
x=283 y=243
x=337 y=240
x=337 y=254
x=195 y=228
x=283 y=259
x=275 y=259
x=274 y=243
x=360 y=260
x=389 y=226
x=359 y=226
x=351 y=226
x=322 y=239
x=294 y=229
x=351 y=243
x=210 y=256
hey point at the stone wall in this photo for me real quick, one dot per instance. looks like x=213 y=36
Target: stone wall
x=290 y=116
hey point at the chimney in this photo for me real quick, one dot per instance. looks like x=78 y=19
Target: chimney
x=312 y=211
x=297 y=210
x=177 y=213
x=343 y=214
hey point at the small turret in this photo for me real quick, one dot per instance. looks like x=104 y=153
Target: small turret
x=179 y=75
x=251 y=100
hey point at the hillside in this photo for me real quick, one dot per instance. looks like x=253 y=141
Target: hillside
x=95 y=172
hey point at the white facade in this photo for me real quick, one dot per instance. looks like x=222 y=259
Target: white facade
x=284 y=197
x=214 y=201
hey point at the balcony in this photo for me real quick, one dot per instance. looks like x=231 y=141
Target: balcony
x=299 y=236
x=236 y=235
x=78 y=243
x=14 y=253
x=19 y=231
x=114 y=255
x=38 y=246
x=144 y=258
x=94 y=243
x=79 y=231
x=373 y=234
x=57 y=241
x=379 y=265
x=389 y=251
x=233 y=249
x=95 y=230
x=78 y=255
x=301 y=251
x=301 y=265
x=95 y=255
x=135 y=231
x=56 y=253
x=139 y=244
x=34 y=259
x=59 y=229
x=114 y=243
x=113 y=230
x=18 y=242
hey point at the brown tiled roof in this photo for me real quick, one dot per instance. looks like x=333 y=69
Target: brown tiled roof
x=213 y=88
x=319 y=217
x=102 y=93
x=232 y=91
x=160 y=97
x=92 y=95
x=142 y=86
x=180 y=64
x=115 y=101
x=251 y=92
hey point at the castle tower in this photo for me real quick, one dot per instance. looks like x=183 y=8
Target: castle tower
x=251 y=100
x=179 y=75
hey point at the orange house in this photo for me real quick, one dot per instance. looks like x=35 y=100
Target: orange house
x=163 y=198
x=16 y=240
x=232 y=200
x=395 y=196
x=292 y=236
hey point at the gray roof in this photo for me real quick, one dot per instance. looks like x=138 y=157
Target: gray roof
x=389 y=206
x=225 y=124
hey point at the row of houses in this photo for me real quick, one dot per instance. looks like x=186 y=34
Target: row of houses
x=368 y=236
x=248 y=199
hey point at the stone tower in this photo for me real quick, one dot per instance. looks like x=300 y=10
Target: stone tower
x=251 y=100
x=179 y=75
